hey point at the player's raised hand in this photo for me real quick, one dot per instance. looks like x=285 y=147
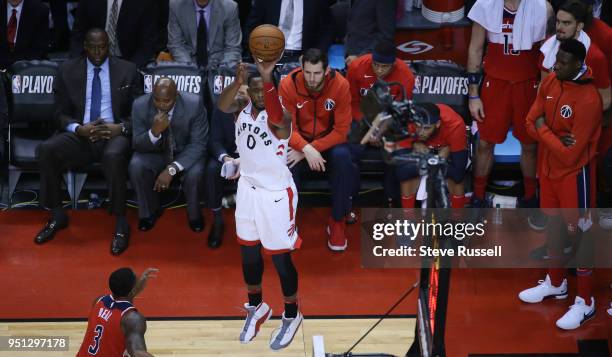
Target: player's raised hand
x=242 y=74
x=314 y=158
x=266 y=68
x=476 y=109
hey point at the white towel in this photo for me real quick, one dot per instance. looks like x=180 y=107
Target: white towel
x=529 y=23
x=550 y=48
x=230 y=168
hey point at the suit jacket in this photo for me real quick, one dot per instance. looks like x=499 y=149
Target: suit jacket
x=317 y=28
x=369 y=22
x=70 y=90
x=32 y=35
x=224 y=35
x=136 y=28
x=222 y=134
x=189 y=125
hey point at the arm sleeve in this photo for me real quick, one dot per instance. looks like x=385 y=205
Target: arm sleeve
x=72 y=127
x=590 y=121
x=233 y=39
x=296 y=141
x=198 y=138
x=272 y=104
x=342 y=123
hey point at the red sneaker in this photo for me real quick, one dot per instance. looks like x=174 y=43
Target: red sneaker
x=337 y=237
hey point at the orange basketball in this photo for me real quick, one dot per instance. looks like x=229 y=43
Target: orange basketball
x=266 y=43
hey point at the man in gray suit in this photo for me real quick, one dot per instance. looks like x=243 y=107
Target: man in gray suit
x=205 y=32
x=170 y=133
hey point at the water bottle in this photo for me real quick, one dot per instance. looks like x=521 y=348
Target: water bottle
x=497 y=215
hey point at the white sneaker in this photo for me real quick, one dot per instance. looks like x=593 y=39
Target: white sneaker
x=543 y=291
x=256 y=316
x=605 y=218
x=578 y=314
x=282 y=336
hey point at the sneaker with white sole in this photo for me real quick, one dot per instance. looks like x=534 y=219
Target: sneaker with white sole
x=605 y=218
x=256 y=316
x=578 y=314
x=544 y=290
x=282 y=336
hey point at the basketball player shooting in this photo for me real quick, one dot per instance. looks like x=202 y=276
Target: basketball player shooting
x=266 y=199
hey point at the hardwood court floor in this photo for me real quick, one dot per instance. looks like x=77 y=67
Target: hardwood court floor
x=219 y=337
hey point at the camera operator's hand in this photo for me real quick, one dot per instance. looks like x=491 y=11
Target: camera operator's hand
x=476 y=109
x=444 y=152
x=420 y=148
x=314 y=158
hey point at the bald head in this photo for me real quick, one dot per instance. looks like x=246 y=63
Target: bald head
x=164 y=94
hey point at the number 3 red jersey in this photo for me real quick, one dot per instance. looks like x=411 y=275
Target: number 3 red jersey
x=104 y=337
x=501 y=61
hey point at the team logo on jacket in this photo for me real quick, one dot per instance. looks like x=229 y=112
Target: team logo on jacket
x=566 y=111
x=329 y=104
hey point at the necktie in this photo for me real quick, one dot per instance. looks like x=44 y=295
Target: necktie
x=111 y=26
x=11 y=30
x=96 y=96
x=169 y=145
x=287 y=21
x=202 y=39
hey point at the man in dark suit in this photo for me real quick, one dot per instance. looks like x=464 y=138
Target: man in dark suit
x=131 y=26
x=170 y=137
x=94 y=95
x=222 y=148
x=369 y=23
x=305 y=23
x=24 y=31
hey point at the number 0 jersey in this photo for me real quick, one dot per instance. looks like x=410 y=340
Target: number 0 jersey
x=263 y=157
x=104 y=337
x=501 y=61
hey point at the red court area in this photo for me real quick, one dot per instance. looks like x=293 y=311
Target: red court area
x=60 y=279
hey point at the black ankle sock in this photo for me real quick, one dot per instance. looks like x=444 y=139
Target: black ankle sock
x=122 y=224
x=291 y=310
x=255 y=298
x=59 y=215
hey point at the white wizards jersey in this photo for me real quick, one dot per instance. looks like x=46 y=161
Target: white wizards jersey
x=263 y=157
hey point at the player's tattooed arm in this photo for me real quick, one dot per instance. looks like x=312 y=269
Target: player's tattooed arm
x=229 y=101
x=134 y=326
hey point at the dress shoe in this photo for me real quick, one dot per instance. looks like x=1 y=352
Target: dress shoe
x=146 y=224
x=120 y=242
x=49 y=230
x=197 y=225
x=216 y=233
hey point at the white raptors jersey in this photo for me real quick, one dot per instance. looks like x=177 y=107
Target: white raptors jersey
x=263 y=157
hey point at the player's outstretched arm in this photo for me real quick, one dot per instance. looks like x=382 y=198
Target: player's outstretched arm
x=134 y=326
x=228 y=101
x=142 y=282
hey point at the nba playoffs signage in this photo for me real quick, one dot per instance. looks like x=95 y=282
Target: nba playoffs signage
x=184 y=83
x=32 y=84
x=440 y=85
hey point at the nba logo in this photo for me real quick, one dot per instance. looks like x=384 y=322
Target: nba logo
x=417 y=85
x=16 y=82
x=218 y=84
x=148 y=83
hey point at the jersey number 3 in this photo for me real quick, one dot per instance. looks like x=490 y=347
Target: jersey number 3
x=93 y=349
x=507 y=50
